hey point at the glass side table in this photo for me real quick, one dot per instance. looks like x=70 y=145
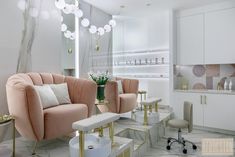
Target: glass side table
x=4 y=120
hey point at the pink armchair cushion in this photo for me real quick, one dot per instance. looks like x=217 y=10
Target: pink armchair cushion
x=58 y=119
x=127 y=102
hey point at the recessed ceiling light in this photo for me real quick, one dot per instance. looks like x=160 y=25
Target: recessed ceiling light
x=148 y=4
x=122 y=6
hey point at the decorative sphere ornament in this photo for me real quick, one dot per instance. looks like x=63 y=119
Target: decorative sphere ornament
x=107 y=28
x=63 y=27
x=72 y=37
x=67 y=34
x=92 y=29
x=78 y=13
x=67 y=9
x=101 y=31
x=60 y=4
x=112 y=23
x=85 y=22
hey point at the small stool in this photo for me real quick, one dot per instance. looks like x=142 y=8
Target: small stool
x=149 y=104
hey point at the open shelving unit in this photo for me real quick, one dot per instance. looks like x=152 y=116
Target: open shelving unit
x=150 y=63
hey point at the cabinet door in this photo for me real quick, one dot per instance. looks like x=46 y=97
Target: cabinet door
x=220 y=37
x=190 y=40
x=195 y=98
x=219 y=111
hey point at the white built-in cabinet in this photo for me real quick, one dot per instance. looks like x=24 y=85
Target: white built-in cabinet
x=206 y=37
x=190 y=40
x=220 y=36
x=209 y=110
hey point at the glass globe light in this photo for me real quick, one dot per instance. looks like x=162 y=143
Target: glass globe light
x=78 y=13
x=33 y=12
x=72 y=37
x=22 y=5
x=63 y=27
x=101 y=31
x=92 y=29
x=60 y=4
x=45 y=15
x=67 y=34
x=85 y=22
x=112 y=23
x=107 y=28
x=67 y=9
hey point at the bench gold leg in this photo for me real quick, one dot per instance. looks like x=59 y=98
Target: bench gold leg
x=101 y=132
x=81 y=144
x=145 y=115
x=150 y=109
x=111 y=132
x=156 y=107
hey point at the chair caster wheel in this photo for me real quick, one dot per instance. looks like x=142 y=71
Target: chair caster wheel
x=185 y=151
x=168 y=147
x=194 y=147
x=168 y=141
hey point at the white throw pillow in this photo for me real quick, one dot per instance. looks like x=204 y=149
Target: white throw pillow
x=47 y=96
x=61 y=93
x=120 y=89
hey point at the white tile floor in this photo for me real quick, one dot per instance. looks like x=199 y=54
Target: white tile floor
x=59 y=147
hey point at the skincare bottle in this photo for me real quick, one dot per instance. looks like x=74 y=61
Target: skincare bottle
x=230 y=85
x=225 y=85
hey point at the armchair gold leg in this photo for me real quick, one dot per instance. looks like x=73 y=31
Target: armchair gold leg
x=81 y=144
x=145 y=115
x=150 y=109
x=13 y=137
x=34 y=148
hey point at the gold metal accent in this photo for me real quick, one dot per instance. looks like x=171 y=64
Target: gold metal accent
x=81 y=144
x=13 y=136
x=34 y=148
x=111 y=132
x=70 y=51
x=150 y=108
x=101 y=132
x=156 y=107
x=145 y=115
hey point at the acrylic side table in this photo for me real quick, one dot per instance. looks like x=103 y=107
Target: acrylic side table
x=4 y=120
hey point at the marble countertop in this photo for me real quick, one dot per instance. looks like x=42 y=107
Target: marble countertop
x=209 y=91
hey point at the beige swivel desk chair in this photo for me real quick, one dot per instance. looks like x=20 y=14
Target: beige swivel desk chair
x=180 y=124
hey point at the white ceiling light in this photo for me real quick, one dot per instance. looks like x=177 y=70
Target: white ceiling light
x=92 y=29
x=63 y=27
x=22 y=5
x=85 y=22
x=107 y=28
x=78 y=13
x=60 y=4
x=112 y=23
x=101 y=31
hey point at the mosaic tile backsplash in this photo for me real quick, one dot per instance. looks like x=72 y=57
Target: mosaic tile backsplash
x=204 y=76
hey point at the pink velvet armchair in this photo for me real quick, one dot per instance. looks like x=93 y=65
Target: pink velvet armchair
x=125 y=102
x=36 y=123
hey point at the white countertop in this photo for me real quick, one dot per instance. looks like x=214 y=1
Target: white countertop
x=209 y=91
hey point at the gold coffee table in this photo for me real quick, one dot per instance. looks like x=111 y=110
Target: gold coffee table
x=5 y=119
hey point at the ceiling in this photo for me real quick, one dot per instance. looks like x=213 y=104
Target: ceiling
x=145 y=7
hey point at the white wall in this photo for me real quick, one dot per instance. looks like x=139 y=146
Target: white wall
x=144 y=33
x=45 y=50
